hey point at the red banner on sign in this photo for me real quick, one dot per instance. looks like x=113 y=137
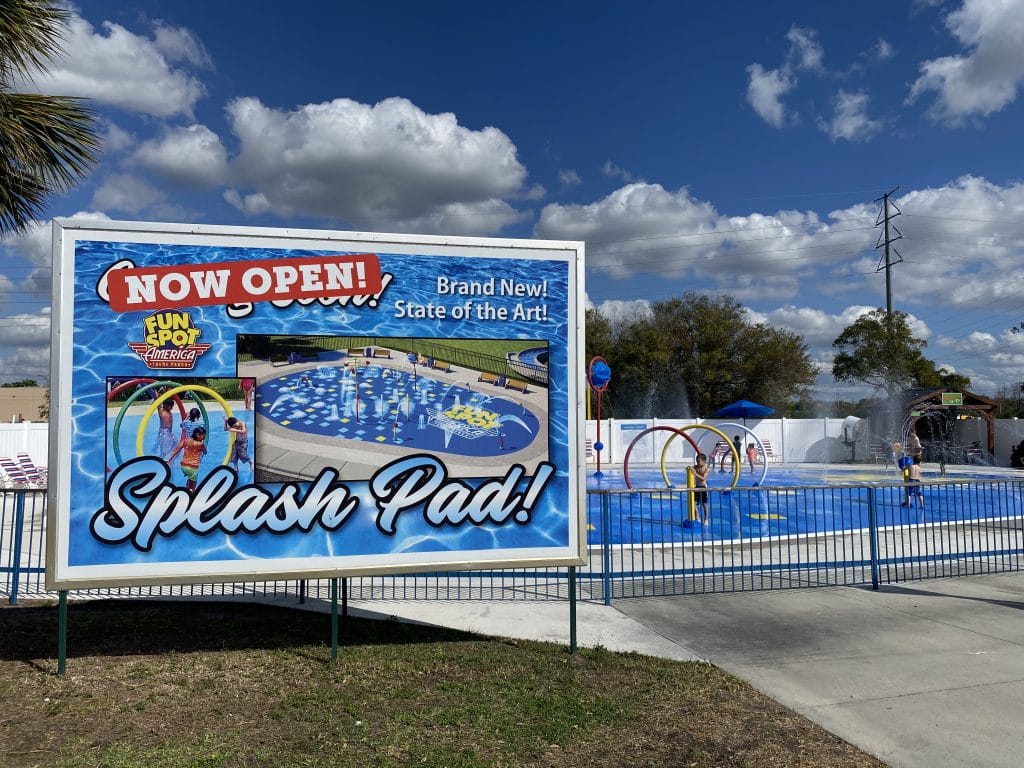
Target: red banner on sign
x=242 y=282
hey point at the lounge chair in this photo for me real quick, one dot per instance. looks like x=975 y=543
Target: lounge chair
x=14 y=472
x=35 y=474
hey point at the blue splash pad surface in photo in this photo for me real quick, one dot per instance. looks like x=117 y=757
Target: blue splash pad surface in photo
x=216 y=438
x=99 y=351
x=397 y=409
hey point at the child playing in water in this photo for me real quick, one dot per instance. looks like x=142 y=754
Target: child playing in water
x=240 y=451
x=165 y=439
x=188 y=425
x=248 y=385
x=914 y=476
x=192 y=449
x=700 y=480
x=751 y=456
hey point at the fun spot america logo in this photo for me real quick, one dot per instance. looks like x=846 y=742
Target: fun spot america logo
x=171 y=341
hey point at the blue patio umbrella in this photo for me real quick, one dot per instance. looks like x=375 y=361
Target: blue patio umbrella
x=743 y=409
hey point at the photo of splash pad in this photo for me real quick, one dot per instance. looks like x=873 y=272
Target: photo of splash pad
x=354 y=406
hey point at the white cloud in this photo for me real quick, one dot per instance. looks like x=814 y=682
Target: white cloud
x=818 y=327
x=882 y=50
x=122 y=69
x=193 y=156
x=25 y=346
x=388 y=164
x=643 y=229
x=35 y=245
x=805 y=52
x=618 y=311
x=123 y=192
x=765 y=90
x=977 y=340
x=985 y=77
x=180 y=44
x=567 y=177
x=255 y=204
x=850 y=120
x=7 y=289
x=612 y=170
x=767 y=87
x=116 y=139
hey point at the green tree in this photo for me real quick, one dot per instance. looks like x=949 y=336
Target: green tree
x=47 y=143
x=891 y=361
x=693 y=354
x=927 y=375
x=21 y=383
x=600 y=335
x=869 y=353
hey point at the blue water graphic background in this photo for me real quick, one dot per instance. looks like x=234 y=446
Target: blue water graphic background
x=99 y=350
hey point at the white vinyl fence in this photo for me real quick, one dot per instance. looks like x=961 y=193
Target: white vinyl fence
x=792 y=441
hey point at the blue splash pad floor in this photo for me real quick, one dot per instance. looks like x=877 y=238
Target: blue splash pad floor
x=384 y=406
x=802 y=501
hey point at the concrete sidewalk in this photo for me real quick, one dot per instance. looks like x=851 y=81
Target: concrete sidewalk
x=922 y=674
x=544 y=620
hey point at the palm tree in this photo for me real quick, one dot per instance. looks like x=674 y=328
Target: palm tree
x=47 y=143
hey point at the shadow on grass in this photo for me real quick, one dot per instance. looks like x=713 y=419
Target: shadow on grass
x=135 y=627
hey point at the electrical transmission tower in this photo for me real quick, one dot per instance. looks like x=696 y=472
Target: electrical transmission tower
x=885 y=240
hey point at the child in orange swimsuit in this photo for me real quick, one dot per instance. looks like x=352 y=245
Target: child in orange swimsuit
x=192 y=450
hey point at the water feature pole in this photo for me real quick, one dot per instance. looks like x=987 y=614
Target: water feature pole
x=599 y=373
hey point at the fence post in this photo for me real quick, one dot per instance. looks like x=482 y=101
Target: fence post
x=606 y=548
x=19 y=526
x=873 y=537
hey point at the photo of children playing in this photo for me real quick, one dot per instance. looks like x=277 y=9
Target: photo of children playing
x=193 y=424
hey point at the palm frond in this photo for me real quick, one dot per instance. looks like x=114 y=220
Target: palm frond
x=48 y=145
x=31 y=32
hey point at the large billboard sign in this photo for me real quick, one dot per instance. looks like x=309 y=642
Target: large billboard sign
x=236 y=403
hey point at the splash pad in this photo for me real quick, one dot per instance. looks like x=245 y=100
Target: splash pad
x=380 y=405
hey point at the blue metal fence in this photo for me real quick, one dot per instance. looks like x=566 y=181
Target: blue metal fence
x=645 y=544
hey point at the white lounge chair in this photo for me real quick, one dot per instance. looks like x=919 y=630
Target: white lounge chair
x=35 y=474
x=14 y=472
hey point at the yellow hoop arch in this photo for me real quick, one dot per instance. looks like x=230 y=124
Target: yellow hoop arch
x=736 y=469
x=140 y=436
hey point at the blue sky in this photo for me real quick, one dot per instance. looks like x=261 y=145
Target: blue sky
x=736 y=149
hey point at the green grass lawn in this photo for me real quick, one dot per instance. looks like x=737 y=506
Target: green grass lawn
x=154 y=684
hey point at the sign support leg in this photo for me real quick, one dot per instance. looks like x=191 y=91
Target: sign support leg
x=334 y=619
x=572 y=609
x=62 y=632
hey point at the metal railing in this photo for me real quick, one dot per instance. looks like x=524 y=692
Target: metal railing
x=645 y=544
